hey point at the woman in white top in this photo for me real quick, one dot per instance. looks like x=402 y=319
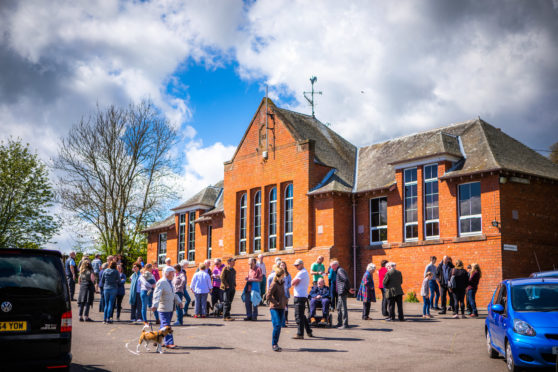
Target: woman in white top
x=201 y=286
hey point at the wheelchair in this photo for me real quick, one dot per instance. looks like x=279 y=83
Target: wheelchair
x=319 y=315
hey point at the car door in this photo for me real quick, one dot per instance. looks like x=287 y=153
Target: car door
x=491 y=314
x=500 y=320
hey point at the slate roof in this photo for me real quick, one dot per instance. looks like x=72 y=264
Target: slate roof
x=206 y=197
x=485 y=148
x=330 y=148
x=165 y=224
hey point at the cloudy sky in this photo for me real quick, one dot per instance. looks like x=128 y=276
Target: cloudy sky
x=385 y=68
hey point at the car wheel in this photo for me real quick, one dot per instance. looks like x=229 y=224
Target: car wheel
x=510 y=363
x=491 y=352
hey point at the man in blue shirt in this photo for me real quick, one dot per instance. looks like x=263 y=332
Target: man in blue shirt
x=96 y=264
x=71 y=271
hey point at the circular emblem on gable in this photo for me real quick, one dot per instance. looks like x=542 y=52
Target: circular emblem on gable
x=6 y=306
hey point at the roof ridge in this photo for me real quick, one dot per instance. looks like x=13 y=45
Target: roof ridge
x=480 y=122
x=472 y=121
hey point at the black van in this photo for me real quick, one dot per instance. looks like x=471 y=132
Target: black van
x=35 y=311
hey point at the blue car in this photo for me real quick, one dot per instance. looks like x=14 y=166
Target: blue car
x=522 y=323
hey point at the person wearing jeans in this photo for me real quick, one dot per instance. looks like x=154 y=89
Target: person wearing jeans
x=343 y=290
x=164 y=301
x=433 y=284
x=253 y=283
x=135 y=293
x=277 y=302
x=201 y=286
x=109 y=283
x=146 y=293
x=381 y=274
x=424 y=293
x=179 y=283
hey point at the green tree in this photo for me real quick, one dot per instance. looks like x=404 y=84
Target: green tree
x=25 y=198
x=554 y=153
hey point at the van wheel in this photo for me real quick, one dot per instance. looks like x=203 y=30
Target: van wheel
x=510 y=363
x=491 y=352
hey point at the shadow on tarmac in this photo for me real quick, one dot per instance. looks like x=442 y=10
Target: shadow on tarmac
x=311 y=350
x=203 y=348
x=90 y=368
x=336 y=338
x=377 y=329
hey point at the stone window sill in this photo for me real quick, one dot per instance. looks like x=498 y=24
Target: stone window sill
x=472 y=238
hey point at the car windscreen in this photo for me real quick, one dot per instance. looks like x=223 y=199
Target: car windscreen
x=535 y=297
x=38 y=275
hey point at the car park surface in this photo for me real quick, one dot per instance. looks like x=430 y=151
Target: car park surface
x=376 y=345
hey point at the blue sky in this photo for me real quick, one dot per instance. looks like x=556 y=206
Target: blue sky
x=386 y=69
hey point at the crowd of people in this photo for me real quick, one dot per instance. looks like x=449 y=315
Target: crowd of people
x=154 y=298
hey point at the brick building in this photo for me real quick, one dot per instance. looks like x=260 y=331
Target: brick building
x=297 y=189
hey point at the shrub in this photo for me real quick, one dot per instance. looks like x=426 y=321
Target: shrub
x=411 y=297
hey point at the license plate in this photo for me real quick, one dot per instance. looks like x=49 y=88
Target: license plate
x=555 y=350
x=20 y=326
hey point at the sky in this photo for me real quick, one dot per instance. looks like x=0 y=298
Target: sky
x=386 y=69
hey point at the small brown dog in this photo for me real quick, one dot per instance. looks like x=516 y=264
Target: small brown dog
x=153 y=336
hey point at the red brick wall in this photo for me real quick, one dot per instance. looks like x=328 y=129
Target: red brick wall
x=529 y=221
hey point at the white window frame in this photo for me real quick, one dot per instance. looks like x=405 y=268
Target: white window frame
x=272 y=212
x=161 y=256
x=437 y=220
x=209 y=242
x=286 y=234
x=191 y=236
x=243 y=210
x=460 y=218
x=405 y=223
x=181 y=236
x=380 y=227
x=257 y=220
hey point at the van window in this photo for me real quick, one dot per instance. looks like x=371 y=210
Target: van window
x=22 y=274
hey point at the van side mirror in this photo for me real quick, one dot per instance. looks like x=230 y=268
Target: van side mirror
x=499 y=309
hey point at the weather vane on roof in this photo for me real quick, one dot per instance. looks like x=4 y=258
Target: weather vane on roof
x=310 y=100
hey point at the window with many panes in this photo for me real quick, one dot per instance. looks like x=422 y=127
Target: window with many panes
x=258 y=222
x=191 y=236
x=181 y=235
x=162 y=249
x=470 y=218
x=431 y=221
x=411 y=214
x=378 y=220
x=242 y=220
x=289 y=216
x=272 y=238
x=209 y=237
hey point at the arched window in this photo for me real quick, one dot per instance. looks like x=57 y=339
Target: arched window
x=242 y=240
x=289 y=216
x=272 y=240
x=258 y=222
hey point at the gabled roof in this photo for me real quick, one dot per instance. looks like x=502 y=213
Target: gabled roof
x=165 y=224
x=206 y=197
x=330 y=148
x=485 y=148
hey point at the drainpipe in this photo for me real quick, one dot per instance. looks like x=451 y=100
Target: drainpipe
x=354 y=242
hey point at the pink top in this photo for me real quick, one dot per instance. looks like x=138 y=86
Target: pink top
x=381 y=273
x=255 y=275
x=155 y=273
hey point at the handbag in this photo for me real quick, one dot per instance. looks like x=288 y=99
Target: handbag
x=451 y=283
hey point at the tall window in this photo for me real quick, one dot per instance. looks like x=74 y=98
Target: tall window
x=181 y=236
x=431 y=221
x=209 y=237
x=289 y=216
x=258 y=222
x=162 y=249
x=242 y=241
x=378 y=220
x=470 y=217
x=191 y=236
x=411 y=215
x=272 y=240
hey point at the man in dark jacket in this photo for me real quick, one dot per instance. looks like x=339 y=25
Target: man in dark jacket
x=343 y=290
x=443 y=273
x=319 y=295
x=394 y=292
x=228 y=286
